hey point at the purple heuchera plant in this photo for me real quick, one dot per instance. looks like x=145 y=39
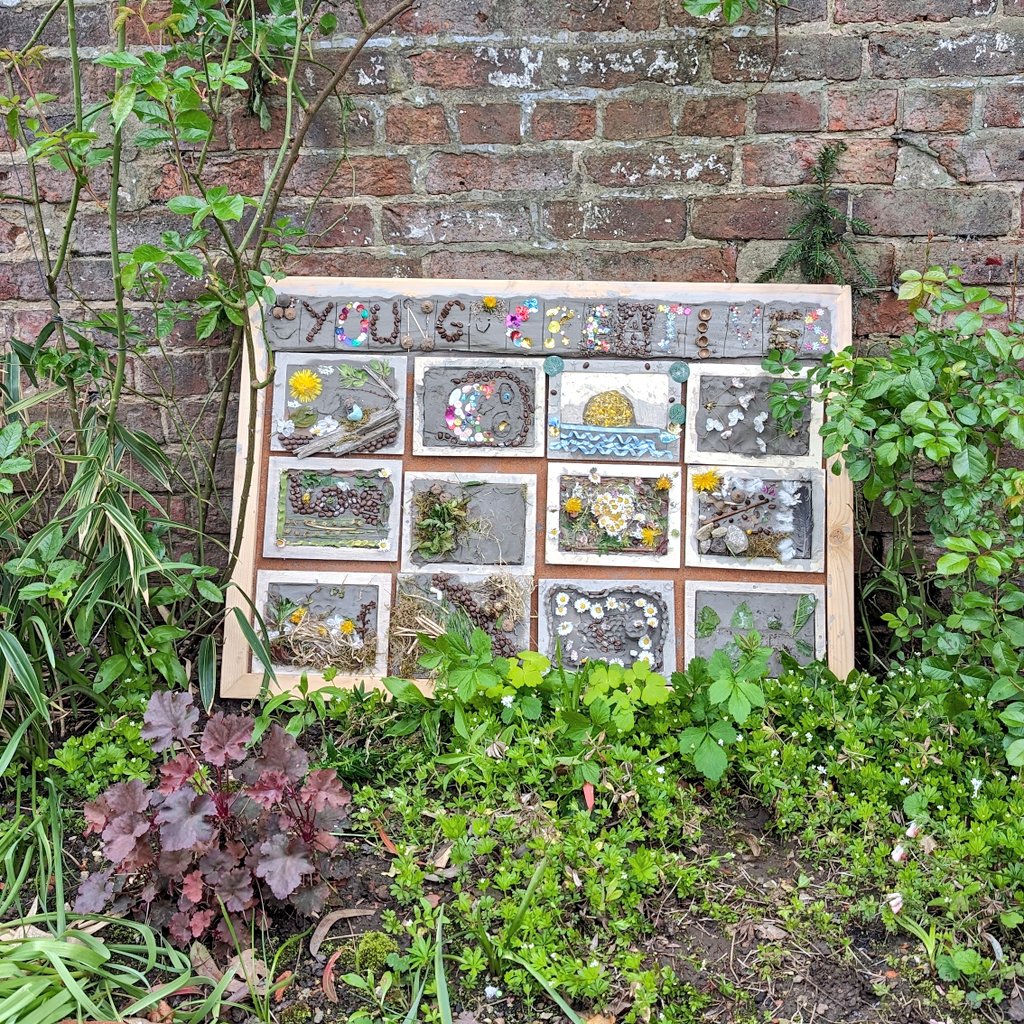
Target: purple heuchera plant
x=223 y=825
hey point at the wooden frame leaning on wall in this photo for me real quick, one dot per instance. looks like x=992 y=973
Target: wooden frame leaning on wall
x=687 y=325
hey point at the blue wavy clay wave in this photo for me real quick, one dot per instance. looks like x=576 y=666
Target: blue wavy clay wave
x=613 y=442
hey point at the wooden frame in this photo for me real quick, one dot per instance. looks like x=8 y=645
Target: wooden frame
x=238 y=680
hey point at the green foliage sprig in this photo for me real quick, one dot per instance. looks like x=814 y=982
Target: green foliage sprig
x=821 y=250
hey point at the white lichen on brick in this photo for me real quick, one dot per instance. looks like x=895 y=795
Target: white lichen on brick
x=530 y=62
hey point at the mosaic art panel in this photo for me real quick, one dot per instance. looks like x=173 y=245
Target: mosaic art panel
x=426 y=603
x=321 y=621
x=610 y=514
x=469 y=522
x=614 y=410
x=729 y=420
x=618 y=621
x=789 y=618
x=324 y=508
x=478 y=407
x=766 y=519
x=337 y=405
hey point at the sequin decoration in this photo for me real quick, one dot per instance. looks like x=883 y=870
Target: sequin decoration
x=464 y=412
x=556 y=319
x=671 y=311
x=516 y=324
x=815 y=340
x=597 y=329
x=352 y=341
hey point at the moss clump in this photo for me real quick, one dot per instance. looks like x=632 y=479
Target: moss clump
x=297 y=1013
x=373 y=951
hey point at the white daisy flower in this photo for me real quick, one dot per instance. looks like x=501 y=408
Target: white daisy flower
x=596 y=611
x=382 y=545
x=561 y=598
x=285 y=428
x=652 y=621
x=384 y=472
x=650 y=610
x=617 y=661
x=612 y=603
x=564 y=628
x=581 y=604
x=645 y=643
x=560 y=611
x=645 y=656
x=639 y=603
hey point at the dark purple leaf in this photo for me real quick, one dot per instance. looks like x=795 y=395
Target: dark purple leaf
x=94 y=892
x=323 y=789
x=310 y=899
x=236 y=889
x=176 y=773
x=174 y=865
x=192 y=886
x=225 y=738
x=279 y=753
x=169 y=717
x=215 y=863
x=282 y=863
x=183 y=820
x=121 y=836
x=180 y=928
x=127 y=798
x=268 y=789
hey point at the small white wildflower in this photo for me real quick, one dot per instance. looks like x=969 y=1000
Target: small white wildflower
x=976 y=785
x=904 y=781
x=491 y=992
x=285 y=428
x=821 y=769
x=660 y=769
x=384 y=473
x=508 y=700
x=808 y=737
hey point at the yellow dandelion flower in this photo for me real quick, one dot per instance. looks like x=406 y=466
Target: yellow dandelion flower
x=297 y=616
x=663 y=483
x=489 y=302
x=706 y=480
x=649 y=536
x=305 y=385
x=348 y=627
x=573 y=506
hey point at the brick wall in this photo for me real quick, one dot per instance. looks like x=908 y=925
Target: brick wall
x=606 y=139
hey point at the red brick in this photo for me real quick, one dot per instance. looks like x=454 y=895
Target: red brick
x=881 y=314
x=433 y=223
x=684 y=264
x=637 y=119
x=1004 y=107
x=13 y=235
x=946 y=211
x=316 y=175
x=751 y=58
x=930 y=55
x=337 y=225
x=513 y=266
x=187 y=373
x=894 y=11
x=538 y=17
x=721 y=116
x=736 y=218
x=653 y=165
x=92 y=229
x=601 y=67
x=329 y=129
x=867 y=161
x=352 y=264
x=938 y=110
x=575 y=121
x=625 y=220
x=240 y=174
x=985 y=263
x=788 y=112
x=489 y=123
x=448 y=173
x=417 y=126
x=995 y=156
x=509 y=67
x=856 y=111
